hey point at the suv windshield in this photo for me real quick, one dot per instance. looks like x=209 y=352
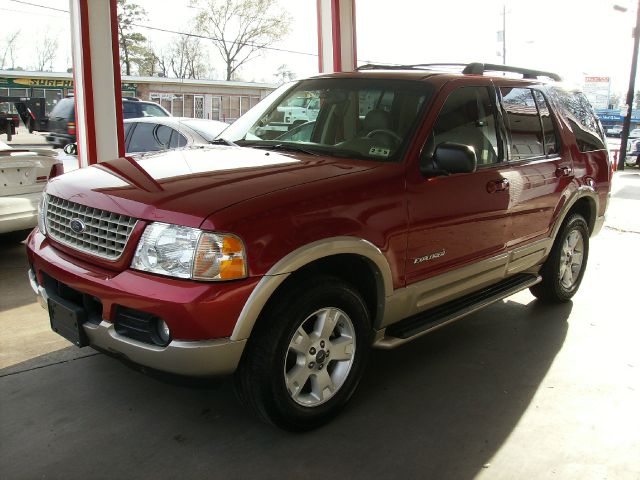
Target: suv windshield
x=355 y=118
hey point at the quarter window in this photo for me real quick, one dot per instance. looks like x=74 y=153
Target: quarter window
x=523 y=123
x=177 y=140
x=584 y=123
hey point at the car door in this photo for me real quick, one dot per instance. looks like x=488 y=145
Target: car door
x=460 y=220
x=538 y=173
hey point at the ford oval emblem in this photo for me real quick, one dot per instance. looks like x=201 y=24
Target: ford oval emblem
x=77 y=225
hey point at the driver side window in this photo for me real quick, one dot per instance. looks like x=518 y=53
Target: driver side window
x=467 y=117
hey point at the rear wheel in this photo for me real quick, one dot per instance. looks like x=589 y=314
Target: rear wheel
x=564 y=268
x=305 y=358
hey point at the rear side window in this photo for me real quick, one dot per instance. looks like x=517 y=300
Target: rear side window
x=548 y=129
x=523 y=122
x=129 y=110
x=584 y=123
x=144 y=138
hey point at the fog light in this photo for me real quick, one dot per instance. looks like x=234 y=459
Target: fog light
x=163 y=331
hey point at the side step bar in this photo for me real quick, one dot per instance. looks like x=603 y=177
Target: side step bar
x=413 y=327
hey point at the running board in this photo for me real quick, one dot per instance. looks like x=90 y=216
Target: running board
x=413 y=327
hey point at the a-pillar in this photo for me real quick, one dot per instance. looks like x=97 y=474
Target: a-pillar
x=337 y=35
x=96 y=75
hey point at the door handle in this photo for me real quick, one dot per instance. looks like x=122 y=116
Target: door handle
x=563 y=171
x=498 y=185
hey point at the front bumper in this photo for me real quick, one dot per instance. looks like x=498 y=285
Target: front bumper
x=196 y=358
x=200 y=345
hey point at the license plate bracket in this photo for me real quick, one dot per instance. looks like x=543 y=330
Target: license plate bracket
x=66 y=320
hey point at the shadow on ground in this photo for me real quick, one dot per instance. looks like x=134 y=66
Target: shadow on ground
x=14 y=266
x=439 y=407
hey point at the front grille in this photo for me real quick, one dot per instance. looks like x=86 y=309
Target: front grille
x=105 y=234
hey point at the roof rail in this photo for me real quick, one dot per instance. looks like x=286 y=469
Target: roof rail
x=376 y=66
x=480 y=68
x=474 y=68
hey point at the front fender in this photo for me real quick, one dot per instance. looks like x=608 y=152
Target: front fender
x=304 y=256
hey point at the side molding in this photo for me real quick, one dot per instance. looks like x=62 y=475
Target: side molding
x=304 y=256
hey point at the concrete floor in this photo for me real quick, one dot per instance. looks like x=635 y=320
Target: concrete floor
x=517 y=391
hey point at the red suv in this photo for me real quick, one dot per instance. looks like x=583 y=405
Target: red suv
x=415 y=197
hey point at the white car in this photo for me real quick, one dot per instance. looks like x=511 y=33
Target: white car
x=23 y=175
x=635 y=133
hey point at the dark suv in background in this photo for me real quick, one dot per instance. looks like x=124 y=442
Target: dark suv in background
x=62 y=120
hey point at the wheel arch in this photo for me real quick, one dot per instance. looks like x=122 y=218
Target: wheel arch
x=357 y=254
x=585 y=202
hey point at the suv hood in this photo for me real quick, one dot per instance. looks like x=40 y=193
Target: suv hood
x=185 y=186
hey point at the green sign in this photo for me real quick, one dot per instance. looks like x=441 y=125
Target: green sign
x=50 y=83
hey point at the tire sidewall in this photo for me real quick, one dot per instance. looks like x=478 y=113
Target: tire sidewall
x=282 y=407
x=578 y=223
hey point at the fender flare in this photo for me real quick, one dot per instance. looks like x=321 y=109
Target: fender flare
x=583 y=191
x=304 y=256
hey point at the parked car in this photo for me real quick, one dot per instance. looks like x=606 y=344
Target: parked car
x=62 y=120
x=284 y=261
x=614 y=131
x=23 y=175
x=9 y=120
x=635 y=133
x=152 y=134
x=633 y=153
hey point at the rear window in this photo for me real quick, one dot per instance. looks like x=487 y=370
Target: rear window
x=584 y=123
x=151 y=110
x=63 y=109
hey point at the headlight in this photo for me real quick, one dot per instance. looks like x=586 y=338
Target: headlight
x=186 y=252
x=42 y=212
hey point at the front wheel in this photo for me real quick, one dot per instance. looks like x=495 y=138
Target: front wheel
x=306 y=356
x=563 y=270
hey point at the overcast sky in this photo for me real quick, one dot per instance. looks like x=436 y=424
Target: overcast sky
x=571 y=37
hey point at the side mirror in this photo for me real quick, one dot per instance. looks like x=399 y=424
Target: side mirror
x=450 y=158
x=71 y=149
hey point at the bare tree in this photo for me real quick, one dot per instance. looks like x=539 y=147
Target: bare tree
x=8 y=49
x=241 y=29
x=186 y=58
x=46 y=52
x=285 y=74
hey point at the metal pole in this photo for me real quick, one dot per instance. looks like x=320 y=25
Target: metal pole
x=504 y=34
x=632 y=84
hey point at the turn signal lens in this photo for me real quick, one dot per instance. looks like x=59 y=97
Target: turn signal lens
x=219 y=257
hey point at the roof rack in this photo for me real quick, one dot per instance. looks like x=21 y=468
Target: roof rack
x=481 y=68
x=474 y=68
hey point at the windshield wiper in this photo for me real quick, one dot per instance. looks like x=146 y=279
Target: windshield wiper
x=286 y=147
x=223 y=141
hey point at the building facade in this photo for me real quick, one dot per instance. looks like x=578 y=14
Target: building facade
x=211 y=99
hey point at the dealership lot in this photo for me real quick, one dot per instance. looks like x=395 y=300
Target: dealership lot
x=518 y=390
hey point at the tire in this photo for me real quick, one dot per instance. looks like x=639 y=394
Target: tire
x=563 y=270
x=292 y=374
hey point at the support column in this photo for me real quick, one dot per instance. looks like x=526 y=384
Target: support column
x=96 y=75
x=337 y=35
